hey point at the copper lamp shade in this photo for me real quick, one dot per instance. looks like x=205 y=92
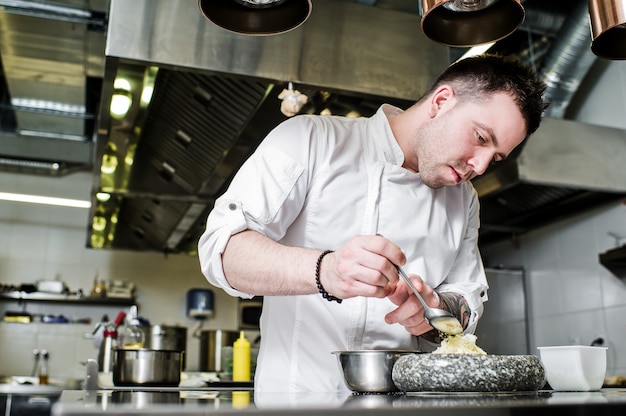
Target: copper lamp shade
x=608 y=28
x=256 y=17
x=465 y=23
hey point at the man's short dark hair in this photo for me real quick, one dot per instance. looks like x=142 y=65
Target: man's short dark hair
x=477 y=77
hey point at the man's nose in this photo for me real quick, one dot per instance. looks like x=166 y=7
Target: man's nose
x=482 y=162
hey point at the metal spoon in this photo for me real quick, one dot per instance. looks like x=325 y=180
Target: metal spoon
x=441 y=320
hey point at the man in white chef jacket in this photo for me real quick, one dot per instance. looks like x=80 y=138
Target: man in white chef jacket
x=316 y=220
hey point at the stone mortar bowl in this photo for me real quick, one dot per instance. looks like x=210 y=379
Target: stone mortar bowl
x=468 y=373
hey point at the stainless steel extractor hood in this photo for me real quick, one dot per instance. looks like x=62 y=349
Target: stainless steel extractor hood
x=564 y=168
x=215 y=98
x=52 y=60
x=343 y=46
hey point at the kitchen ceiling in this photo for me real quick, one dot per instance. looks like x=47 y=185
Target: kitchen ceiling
x=215 y=96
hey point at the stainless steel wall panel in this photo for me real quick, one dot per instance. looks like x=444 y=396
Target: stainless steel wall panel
x=343 y=46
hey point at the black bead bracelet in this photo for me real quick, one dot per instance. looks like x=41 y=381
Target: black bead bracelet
x=323 y=291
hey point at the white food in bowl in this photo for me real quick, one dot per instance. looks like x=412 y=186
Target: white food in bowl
x=459 y=344
x=574 y=367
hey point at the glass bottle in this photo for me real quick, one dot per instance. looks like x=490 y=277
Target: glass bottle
x=132 y=337
x=43 y=368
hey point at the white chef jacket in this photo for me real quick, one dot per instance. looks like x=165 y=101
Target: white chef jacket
x=317 y=181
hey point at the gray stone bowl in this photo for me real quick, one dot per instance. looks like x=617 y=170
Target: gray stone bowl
x=468 y=373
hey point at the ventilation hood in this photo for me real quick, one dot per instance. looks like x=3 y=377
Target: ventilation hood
x=343 y=46
x=52 y=59
x=216 y=97
x=564 y=168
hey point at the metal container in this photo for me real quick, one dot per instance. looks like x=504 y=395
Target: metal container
x=147 y=367
x=166 y=337
x=370 y=371
x=211 y=343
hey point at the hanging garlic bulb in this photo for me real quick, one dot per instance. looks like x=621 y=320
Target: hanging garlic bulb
x=293 y=101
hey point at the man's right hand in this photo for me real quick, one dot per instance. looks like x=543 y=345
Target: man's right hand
x=364 y=266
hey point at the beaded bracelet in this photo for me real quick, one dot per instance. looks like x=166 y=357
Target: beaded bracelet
x=323 y=291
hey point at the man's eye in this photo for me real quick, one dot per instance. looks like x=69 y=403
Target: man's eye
x=481 y=138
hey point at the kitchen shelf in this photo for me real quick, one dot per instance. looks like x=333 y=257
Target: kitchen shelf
x=62 y=298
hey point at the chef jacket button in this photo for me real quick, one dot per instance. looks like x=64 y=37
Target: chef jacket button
x=482 y=293
x=232 y=207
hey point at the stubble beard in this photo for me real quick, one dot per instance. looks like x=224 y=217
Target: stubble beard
x=427 y=151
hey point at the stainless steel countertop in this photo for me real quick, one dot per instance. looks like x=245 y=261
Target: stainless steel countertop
x=28 y=389
x=215 y=401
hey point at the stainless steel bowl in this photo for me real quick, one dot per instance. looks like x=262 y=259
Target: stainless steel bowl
x=147 y=367
x=369 y=371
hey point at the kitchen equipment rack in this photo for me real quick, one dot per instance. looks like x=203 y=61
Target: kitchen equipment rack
x=63 y=298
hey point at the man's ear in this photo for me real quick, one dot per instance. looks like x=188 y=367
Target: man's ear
x=440 y=98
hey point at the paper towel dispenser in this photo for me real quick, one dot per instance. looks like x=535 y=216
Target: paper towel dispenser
x=200 y=303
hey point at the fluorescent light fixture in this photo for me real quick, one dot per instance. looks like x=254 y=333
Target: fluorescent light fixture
x=122 y=98
x=146 y=94
x=36 y=104
x=30 y=164
x=47 y=200
x=120 y=104
x=103 y=196
x=52 y=135
x=149 y=78
x=98 y=223
x=46 y=7
x=121 y=84
x=109 y=163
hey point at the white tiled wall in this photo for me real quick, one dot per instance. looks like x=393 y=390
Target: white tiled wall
x=573 y=298
x=40 y=242
x=66 y=346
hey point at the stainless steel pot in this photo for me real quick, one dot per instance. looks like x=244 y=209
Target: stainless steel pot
x=211 y=343
x=147 y=367
x=166 y=337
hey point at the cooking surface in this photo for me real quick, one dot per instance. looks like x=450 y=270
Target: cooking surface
x=201 y=401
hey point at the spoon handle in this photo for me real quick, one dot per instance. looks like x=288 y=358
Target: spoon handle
x=408 y=281
x=439 y=319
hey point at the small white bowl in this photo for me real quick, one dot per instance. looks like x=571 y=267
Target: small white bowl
x=574 y=367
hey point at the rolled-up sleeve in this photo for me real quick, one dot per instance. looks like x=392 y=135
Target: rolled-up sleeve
x=269 y=182
x=226 y=218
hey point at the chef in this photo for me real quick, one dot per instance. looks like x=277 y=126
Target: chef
x=319 y=216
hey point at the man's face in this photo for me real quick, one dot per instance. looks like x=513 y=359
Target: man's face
x=463 y=139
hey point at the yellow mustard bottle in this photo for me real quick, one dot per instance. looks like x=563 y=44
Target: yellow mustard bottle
x=241 y=399
x=241 y=359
